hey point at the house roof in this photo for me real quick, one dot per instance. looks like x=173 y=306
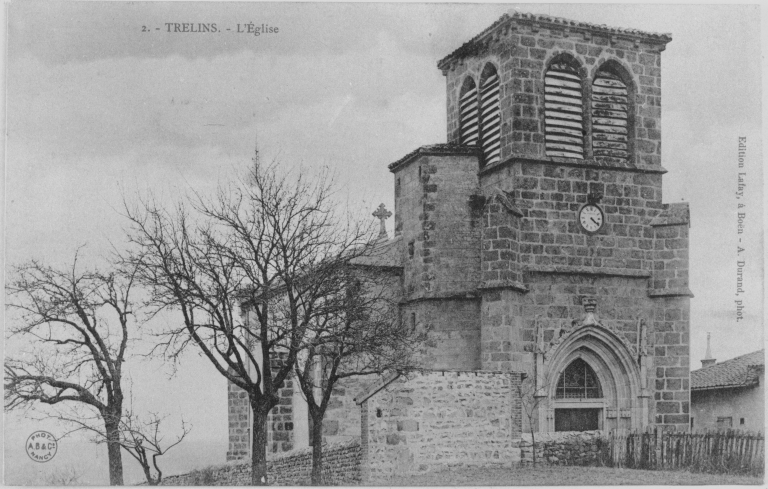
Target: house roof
x=737 y=372
x=555 y=22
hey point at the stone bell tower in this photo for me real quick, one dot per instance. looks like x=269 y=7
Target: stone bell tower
x=539 y=230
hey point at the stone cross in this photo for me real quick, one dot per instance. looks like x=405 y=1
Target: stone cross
x=382 y=214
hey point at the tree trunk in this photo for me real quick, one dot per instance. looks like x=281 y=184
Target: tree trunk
x=317 y=451
x=113 y=453
x=259 y=448
x=533 y=446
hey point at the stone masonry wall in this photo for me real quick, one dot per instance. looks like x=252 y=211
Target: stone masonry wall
x=636 y=267
x=438 y=420
x=239 y=411
x=453 y=333
x=342 y=417
x=550 y=196
x=522 y=49
x=341 y=467
x=671 y=324
x=280 y=418
x=441 y=255
x=563 y=448
x=438 y=226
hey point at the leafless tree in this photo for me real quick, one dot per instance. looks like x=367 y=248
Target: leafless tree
x=144 y=440
x=355 y=332
x=532 y=398
x=140 y=436
x=265 y=243
x=77 y=325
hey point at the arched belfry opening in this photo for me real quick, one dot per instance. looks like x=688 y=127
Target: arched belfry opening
x=592 y=381
x=490 y=114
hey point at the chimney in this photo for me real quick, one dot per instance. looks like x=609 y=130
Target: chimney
x=708 y=360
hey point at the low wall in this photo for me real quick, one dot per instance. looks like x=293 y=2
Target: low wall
x=438 y=420
x=341 y=466
x=563 y=448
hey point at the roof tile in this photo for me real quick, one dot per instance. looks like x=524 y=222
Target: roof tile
x=736 y=372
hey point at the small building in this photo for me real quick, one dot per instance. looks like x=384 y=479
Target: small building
x=729 y=394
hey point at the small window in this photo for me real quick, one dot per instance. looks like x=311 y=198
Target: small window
x=724 y=422
x=741 y=421
x=691 y=422
x=413 y=321
x=609 y=116
x=410 y=249
x=563 y=109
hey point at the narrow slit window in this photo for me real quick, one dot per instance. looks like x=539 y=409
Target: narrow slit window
x=609 y=116
x=490 y=115
x=468 y=113
x=563 y=109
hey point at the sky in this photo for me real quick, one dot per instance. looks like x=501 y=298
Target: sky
x=102 y=103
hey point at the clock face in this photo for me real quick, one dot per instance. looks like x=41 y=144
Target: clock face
x=591 y=218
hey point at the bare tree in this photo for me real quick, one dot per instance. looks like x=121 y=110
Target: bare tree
x=532 y=398
x=140 y=436
x=143 y=439
x=257 y=244
x=77 y=325
x=355 y=332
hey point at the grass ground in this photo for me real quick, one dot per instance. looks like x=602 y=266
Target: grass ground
x=566 y=476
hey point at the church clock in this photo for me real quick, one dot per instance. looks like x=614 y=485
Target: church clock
x=591 y=218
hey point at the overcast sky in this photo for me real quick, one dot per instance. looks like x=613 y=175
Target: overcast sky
x=97 y=108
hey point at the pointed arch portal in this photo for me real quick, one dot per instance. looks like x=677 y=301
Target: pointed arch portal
x=592 y=381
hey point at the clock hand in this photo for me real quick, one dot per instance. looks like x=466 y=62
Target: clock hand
x=593 y=220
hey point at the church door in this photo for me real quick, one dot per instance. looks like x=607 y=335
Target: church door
x=577 y=419
x=576 y=397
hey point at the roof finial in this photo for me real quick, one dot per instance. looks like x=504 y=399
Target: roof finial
x=708 y=360
x=382 y=214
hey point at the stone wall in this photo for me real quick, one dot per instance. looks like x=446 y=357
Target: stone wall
x=441 y=419
x=636 y=267
x=280 y=419
x=239 y=415
x=563 y=448
x=440 y=232
x=342 y=417
x=341 y=467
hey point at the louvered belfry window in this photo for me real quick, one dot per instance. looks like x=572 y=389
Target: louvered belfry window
x=609 y=116
x=468 y=113
x=564 y=112
x=490 y=115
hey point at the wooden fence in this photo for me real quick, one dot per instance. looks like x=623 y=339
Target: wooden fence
x=729 y=452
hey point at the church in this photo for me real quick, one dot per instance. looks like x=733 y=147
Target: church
x=534 y=246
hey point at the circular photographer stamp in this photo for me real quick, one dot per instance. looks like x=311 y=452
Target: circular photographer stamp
x=41 y=446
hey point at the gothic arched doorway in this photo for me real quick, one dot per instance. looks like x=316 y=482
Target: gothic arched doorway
x=592 y=382
x=579 y=388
